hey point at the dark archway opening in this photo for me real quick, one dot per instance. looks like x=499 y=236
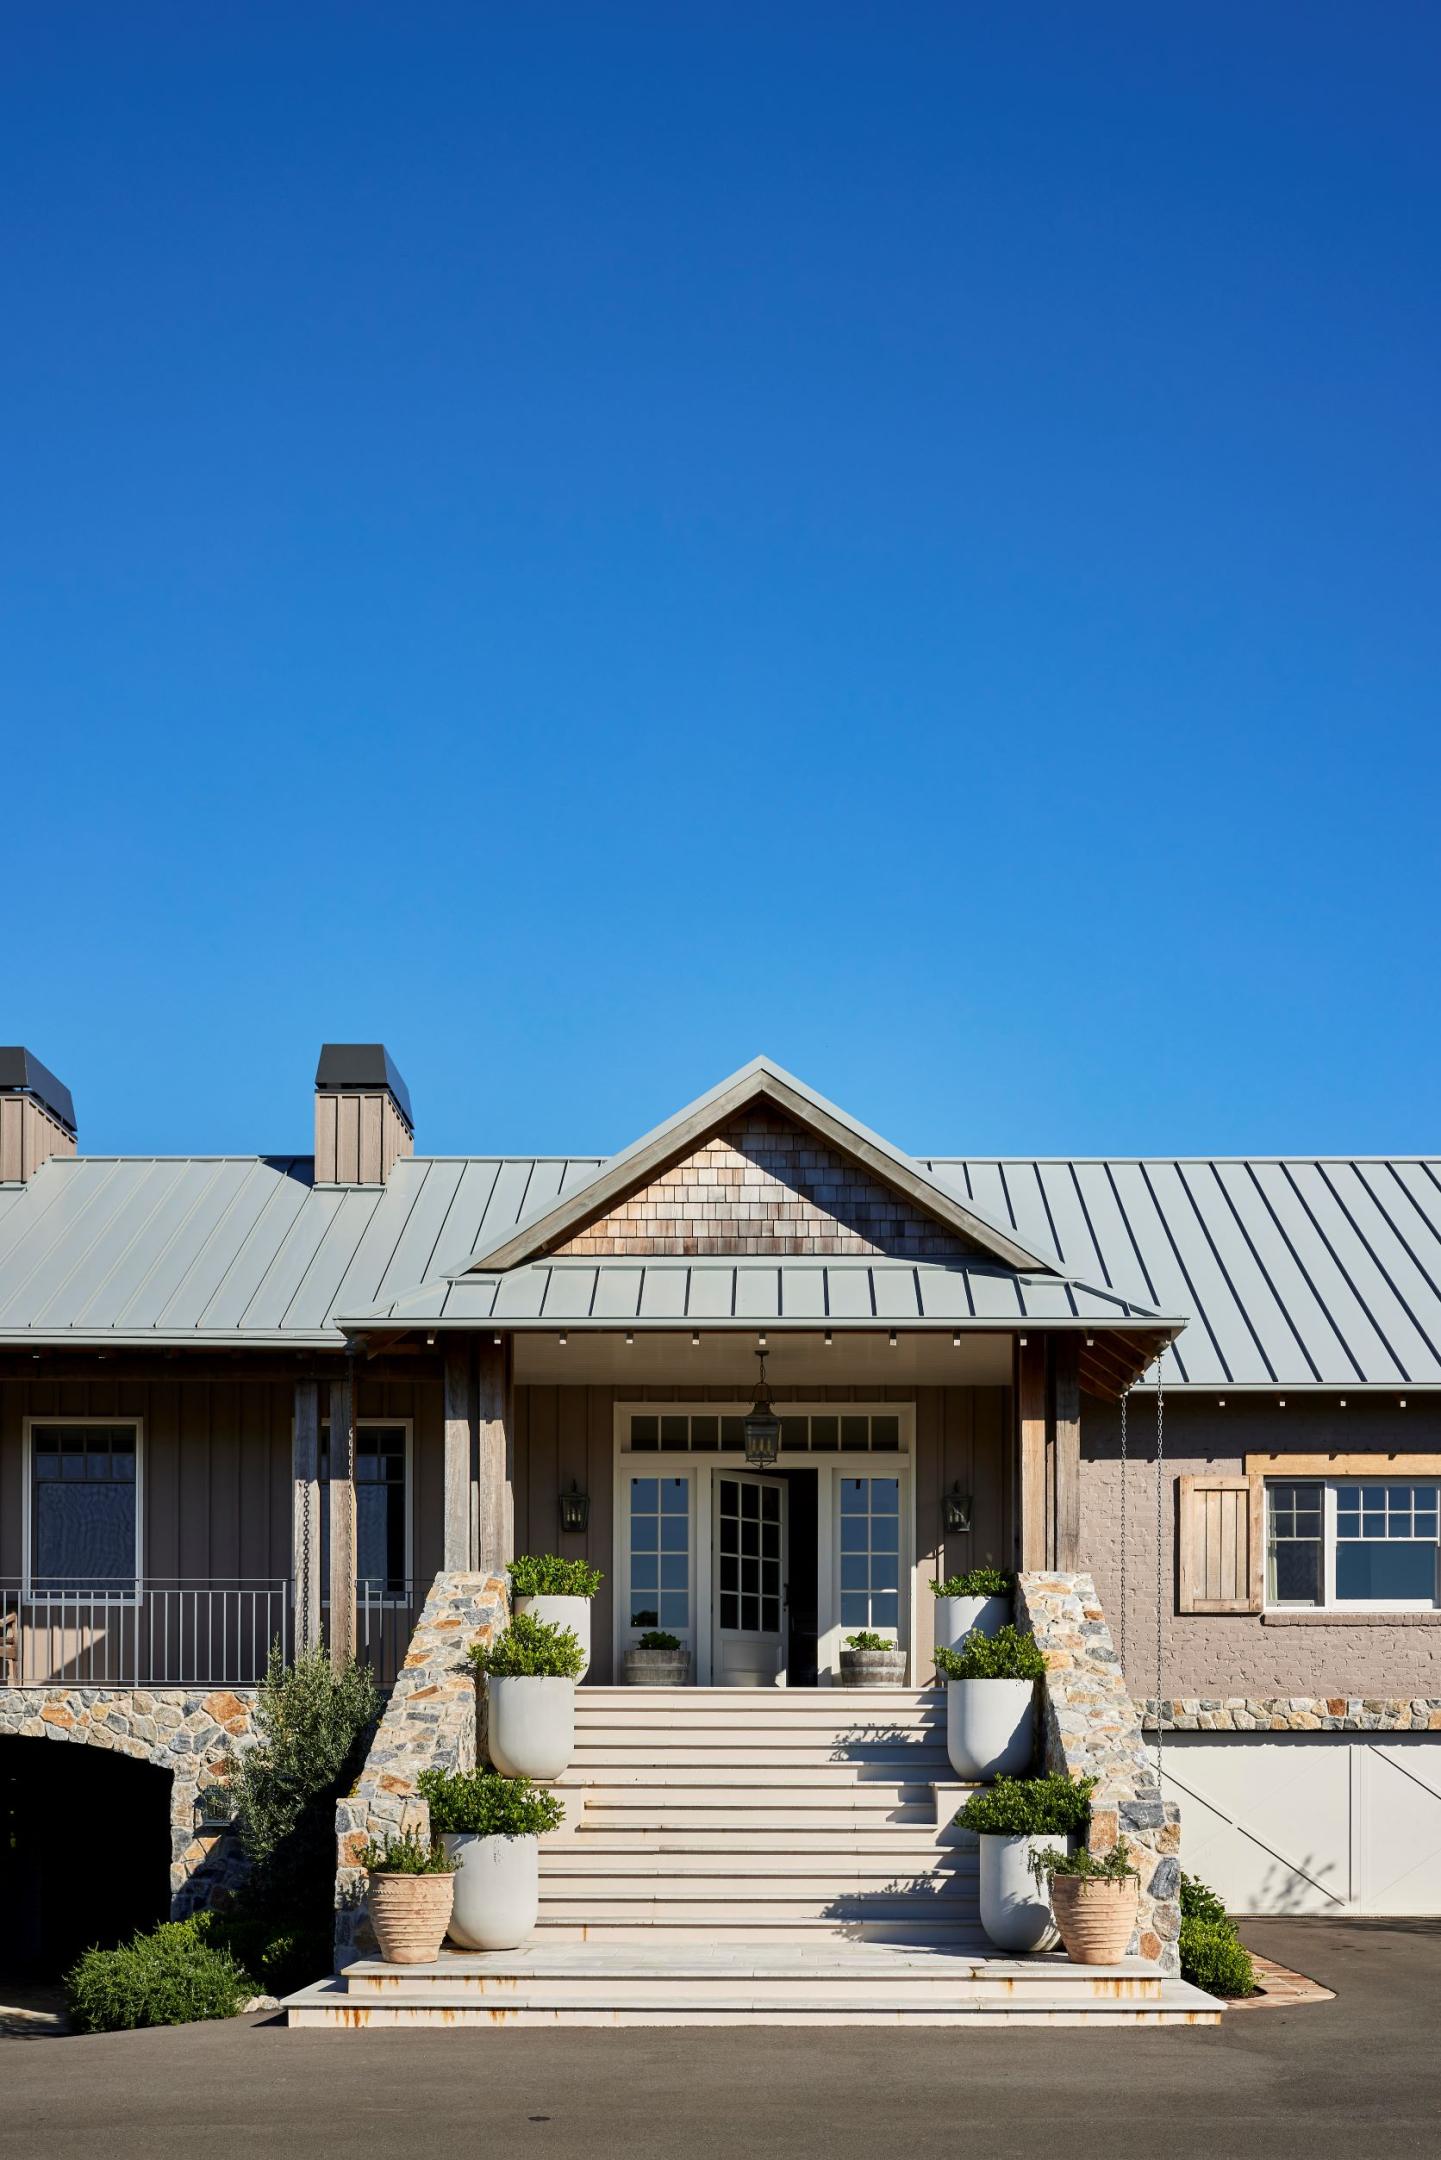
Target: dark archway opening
x=84 y=1852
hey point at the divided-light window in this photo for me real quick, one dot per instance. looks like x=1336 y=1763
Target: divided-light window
x=1351 y=1545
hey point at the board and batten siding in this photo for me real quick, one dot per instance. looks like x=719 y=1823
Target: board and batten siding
x=564 y=1435
x=217 y=1467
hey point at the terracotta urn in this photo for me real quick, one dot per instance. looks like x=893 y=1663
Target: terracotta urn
x=1096 y=1918
x=410 y=1914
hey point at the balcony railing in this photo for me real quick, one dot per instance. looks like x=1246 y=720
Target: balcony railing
x=174 y=1632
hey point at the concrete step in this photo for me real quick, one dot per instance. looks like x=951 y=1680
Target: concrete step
x=789 y=1752
x=604 y=1858
x=841 y=1967
x=692 y=1905
x=759 y=1700
x=414 y=2013
x=712 y=1812
x=816 y=1982
x=917 y=1834
x=660 y=1774
x=653 y=1926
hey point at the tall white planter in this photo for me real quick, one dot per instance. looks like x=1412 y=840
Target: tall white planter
x=530 y=1725
x=1015 y=1909
x=497 y=1890
x=990 y=1728
x=571 y=1612
x=958 y=1617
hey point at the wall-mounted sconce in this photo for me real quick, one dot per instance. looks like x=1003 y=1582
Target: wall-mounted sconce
x=957 y=1510
x=574 y=1508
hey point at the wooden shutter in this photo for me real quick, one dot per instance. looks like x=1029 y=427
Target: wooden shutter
x=1221 y=1544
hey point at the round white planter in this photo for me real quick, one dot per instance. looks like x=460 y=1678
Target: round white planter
x=497 y=1890
x=530 y=1725
x=571 y=1612
x=1015 y=1908
x=958 y=1617
x=990 y=1728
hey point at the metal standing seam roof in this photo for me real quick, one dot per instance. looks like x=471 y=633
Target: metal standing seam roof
x=1296 y=1272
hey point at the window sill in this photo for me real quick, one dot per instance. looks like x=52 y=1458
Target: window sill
x=1337 y=1618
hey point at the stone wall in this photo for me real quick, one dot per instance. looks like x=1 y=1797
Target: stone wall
x=430 y=1722
x=1252 y=1654
x=765 y=1185
x=1091 y=1729
x=1296 y=1713
x=195 y=1734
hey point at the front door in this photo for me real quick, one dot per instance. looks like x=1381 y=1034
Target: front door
x=749 y=1574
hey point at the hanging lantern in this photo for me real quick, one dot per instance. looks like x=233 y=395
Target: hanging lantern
x=762 y=1426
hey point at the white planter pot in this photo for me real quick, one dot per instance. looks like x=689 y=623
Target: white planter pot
x=530 y=1725
x=1015 y=1908
x=497 y=1890
x=990 y=1728
x=571 y=1612
x=958 y=1617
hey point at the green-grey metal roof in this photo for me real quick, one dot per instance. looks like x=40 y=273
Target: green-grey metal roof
x=1296 y=1272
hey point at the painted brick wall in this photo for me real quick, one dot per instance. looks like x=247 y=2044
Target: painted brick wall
x=1241 y=1655
x=764 y=1185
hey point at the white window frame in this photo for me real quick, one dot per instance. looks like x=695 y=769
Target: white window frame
x=29 y=1427
x=383 y=1597
x=1330 y=1488
x=703 y=1468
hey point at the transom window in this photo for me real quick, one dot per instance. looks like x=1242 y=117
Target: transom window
x=84 y=1518
x=1342 y=1542
x=381 y=1451
x=849 y=1434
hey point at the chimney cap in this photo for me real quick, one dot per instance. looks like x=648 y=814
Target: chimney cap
x=359 y=1068
x=21 y=1073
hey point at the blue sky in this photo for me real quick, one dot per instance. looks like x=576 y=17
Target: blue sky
x=588 y=543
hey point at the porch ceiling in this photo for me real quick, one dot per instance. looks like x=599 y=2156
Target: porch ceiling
x=793 y=1360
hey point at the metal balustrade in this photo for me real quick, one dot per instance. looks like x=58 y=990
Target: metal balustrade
x=175 y=1631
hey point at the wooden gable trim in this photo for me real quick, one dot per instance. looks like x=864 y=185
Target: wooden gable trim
x=671 y=1143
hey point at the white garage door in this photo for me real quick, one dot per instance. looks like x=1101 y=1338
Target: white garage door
x=1311 y=1822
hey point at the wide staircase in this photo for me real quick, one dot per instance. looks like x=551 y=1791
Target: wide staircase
x=738 y=1856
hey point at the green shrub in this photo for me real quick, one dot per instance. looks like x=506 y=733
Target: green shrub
x=531 y=1649
x=408 y=1854
x=867 y=1639
x=311 y=1728
x=1214 y=1959
x=977 y=1582
x=171 y=1976
x=480 y=1803
x=1049 y=1806
x=1083 y=1866
x=1200 y=1902
x=1006 y=1655
x=547 y=1575
x=657 y=1639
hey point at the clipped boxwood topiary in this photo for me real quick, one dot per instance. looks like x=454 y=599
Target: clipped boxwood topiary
x=547 y=1575
x=1049 y=1806
x=1213 y=1958
x=170 y=1976
x=480 y=1803
x=1006 y=1655
x=977 y=1582
x=530 y=1649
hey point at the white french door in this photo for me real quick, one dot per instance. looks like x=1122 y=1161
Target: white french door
x=748 y=1519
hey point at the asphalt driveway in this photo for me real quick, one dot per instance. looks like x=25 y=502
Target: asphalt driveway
x=1361 y=2074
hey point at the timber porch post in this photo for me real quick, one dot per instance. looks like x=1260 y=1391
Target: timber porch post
x=459 y=1539
x=1048 y=1451
x=495 y=1456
